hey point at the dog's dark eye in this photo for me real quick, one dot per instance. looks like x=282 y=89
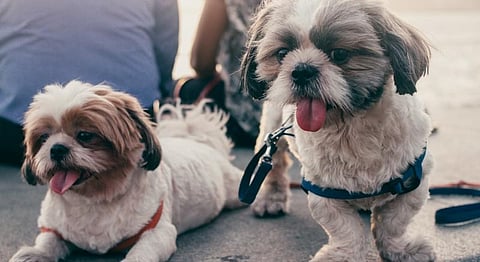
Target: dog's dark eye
x=281 y=53
x=339 y=56
x=85 y=137
x=43 y=138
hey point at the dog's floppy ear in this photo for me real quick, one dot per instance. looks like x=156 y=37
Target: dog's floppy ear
x=408 y=51
x=132 y=118
x=27 y=172
x=250 y=82
x=152 y=153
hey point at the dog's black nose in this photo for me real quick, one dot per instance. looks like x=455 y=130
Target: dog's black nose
x=58 y=152
x=303 y=73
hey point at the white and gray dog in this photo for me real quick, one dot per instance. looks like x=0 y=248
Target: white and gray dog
x=346 y=72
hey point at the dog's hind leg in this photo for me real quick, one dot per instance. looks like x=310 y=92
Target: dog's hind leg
x=273 y=198
x=389 y=225
x=348 y=233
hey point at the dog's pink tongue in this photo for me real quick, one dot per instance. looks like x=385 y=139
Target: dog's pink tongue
x=63 y=180
x=311 y=114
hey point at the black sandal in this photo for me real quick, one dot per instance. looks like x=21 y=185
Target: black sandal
x=192 y=90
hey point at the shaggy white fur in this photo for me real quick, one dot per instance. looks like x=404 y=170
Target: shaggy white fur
x=109 y=140
x=346 y=71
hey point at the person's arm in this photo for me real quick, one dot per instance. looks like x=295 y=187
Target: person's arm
x=211 y=27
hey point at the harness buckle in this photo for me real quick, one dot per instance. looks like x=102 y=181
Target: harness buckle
x=271 y=140
x=397 y=187
x=404 y=185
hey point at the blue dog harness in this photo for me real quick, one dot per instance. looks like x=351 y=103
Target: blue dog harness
x=250 y=182
x=409 y=181
x=258 y=168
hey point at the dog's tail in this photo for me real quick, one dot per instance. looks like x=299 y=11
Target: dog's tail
x=198 y=122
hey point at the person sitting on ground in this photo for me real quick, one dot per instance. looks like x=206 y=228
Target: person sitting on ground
x=130 y=45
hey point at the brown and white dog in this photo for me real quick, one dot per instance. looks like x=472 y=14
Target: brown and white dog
x=111 y=186
x=346 y=70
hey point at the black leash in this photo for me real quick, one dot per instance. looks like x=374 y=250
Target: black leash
x=249 y=186
x=461 y=213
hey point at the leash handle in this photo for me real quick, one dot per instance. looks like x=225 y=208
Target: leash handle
x=249 y=186
x=459 y=213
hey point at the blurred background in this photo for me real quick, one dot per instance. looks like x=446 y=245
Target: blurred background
x=190 y=13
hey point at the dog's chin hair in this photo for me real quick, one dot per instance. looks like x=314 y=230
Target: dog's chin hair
x=106 y=187
x=100 y=185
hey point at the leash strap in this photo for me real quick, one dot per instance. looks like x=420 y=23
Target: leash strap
x=409 y=181
x=249 y=186
x=460 y=213
x=248 y=190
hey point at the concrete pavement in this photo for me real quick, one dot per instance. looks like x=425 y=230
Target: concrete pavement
x=452 y=94
x=235 y=236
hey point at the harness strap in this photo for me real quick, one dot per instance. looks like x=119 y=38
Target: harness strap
x=409 y=181
x=126 y=243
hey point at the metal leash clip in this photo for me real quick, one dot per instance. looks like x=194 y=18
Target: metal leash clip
x=249 y=186
x=271 y=141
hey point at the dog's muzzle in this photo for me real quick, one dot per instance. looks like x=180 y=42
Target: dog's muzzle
x=58 y=152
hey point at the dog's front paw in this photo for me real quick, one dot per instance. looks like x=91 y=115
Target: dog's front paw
x=31 y=254
x=271 y=203
x=415 y=251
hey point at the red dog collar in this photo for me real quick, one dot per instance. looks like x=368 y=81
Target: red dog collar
x=126 y=243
